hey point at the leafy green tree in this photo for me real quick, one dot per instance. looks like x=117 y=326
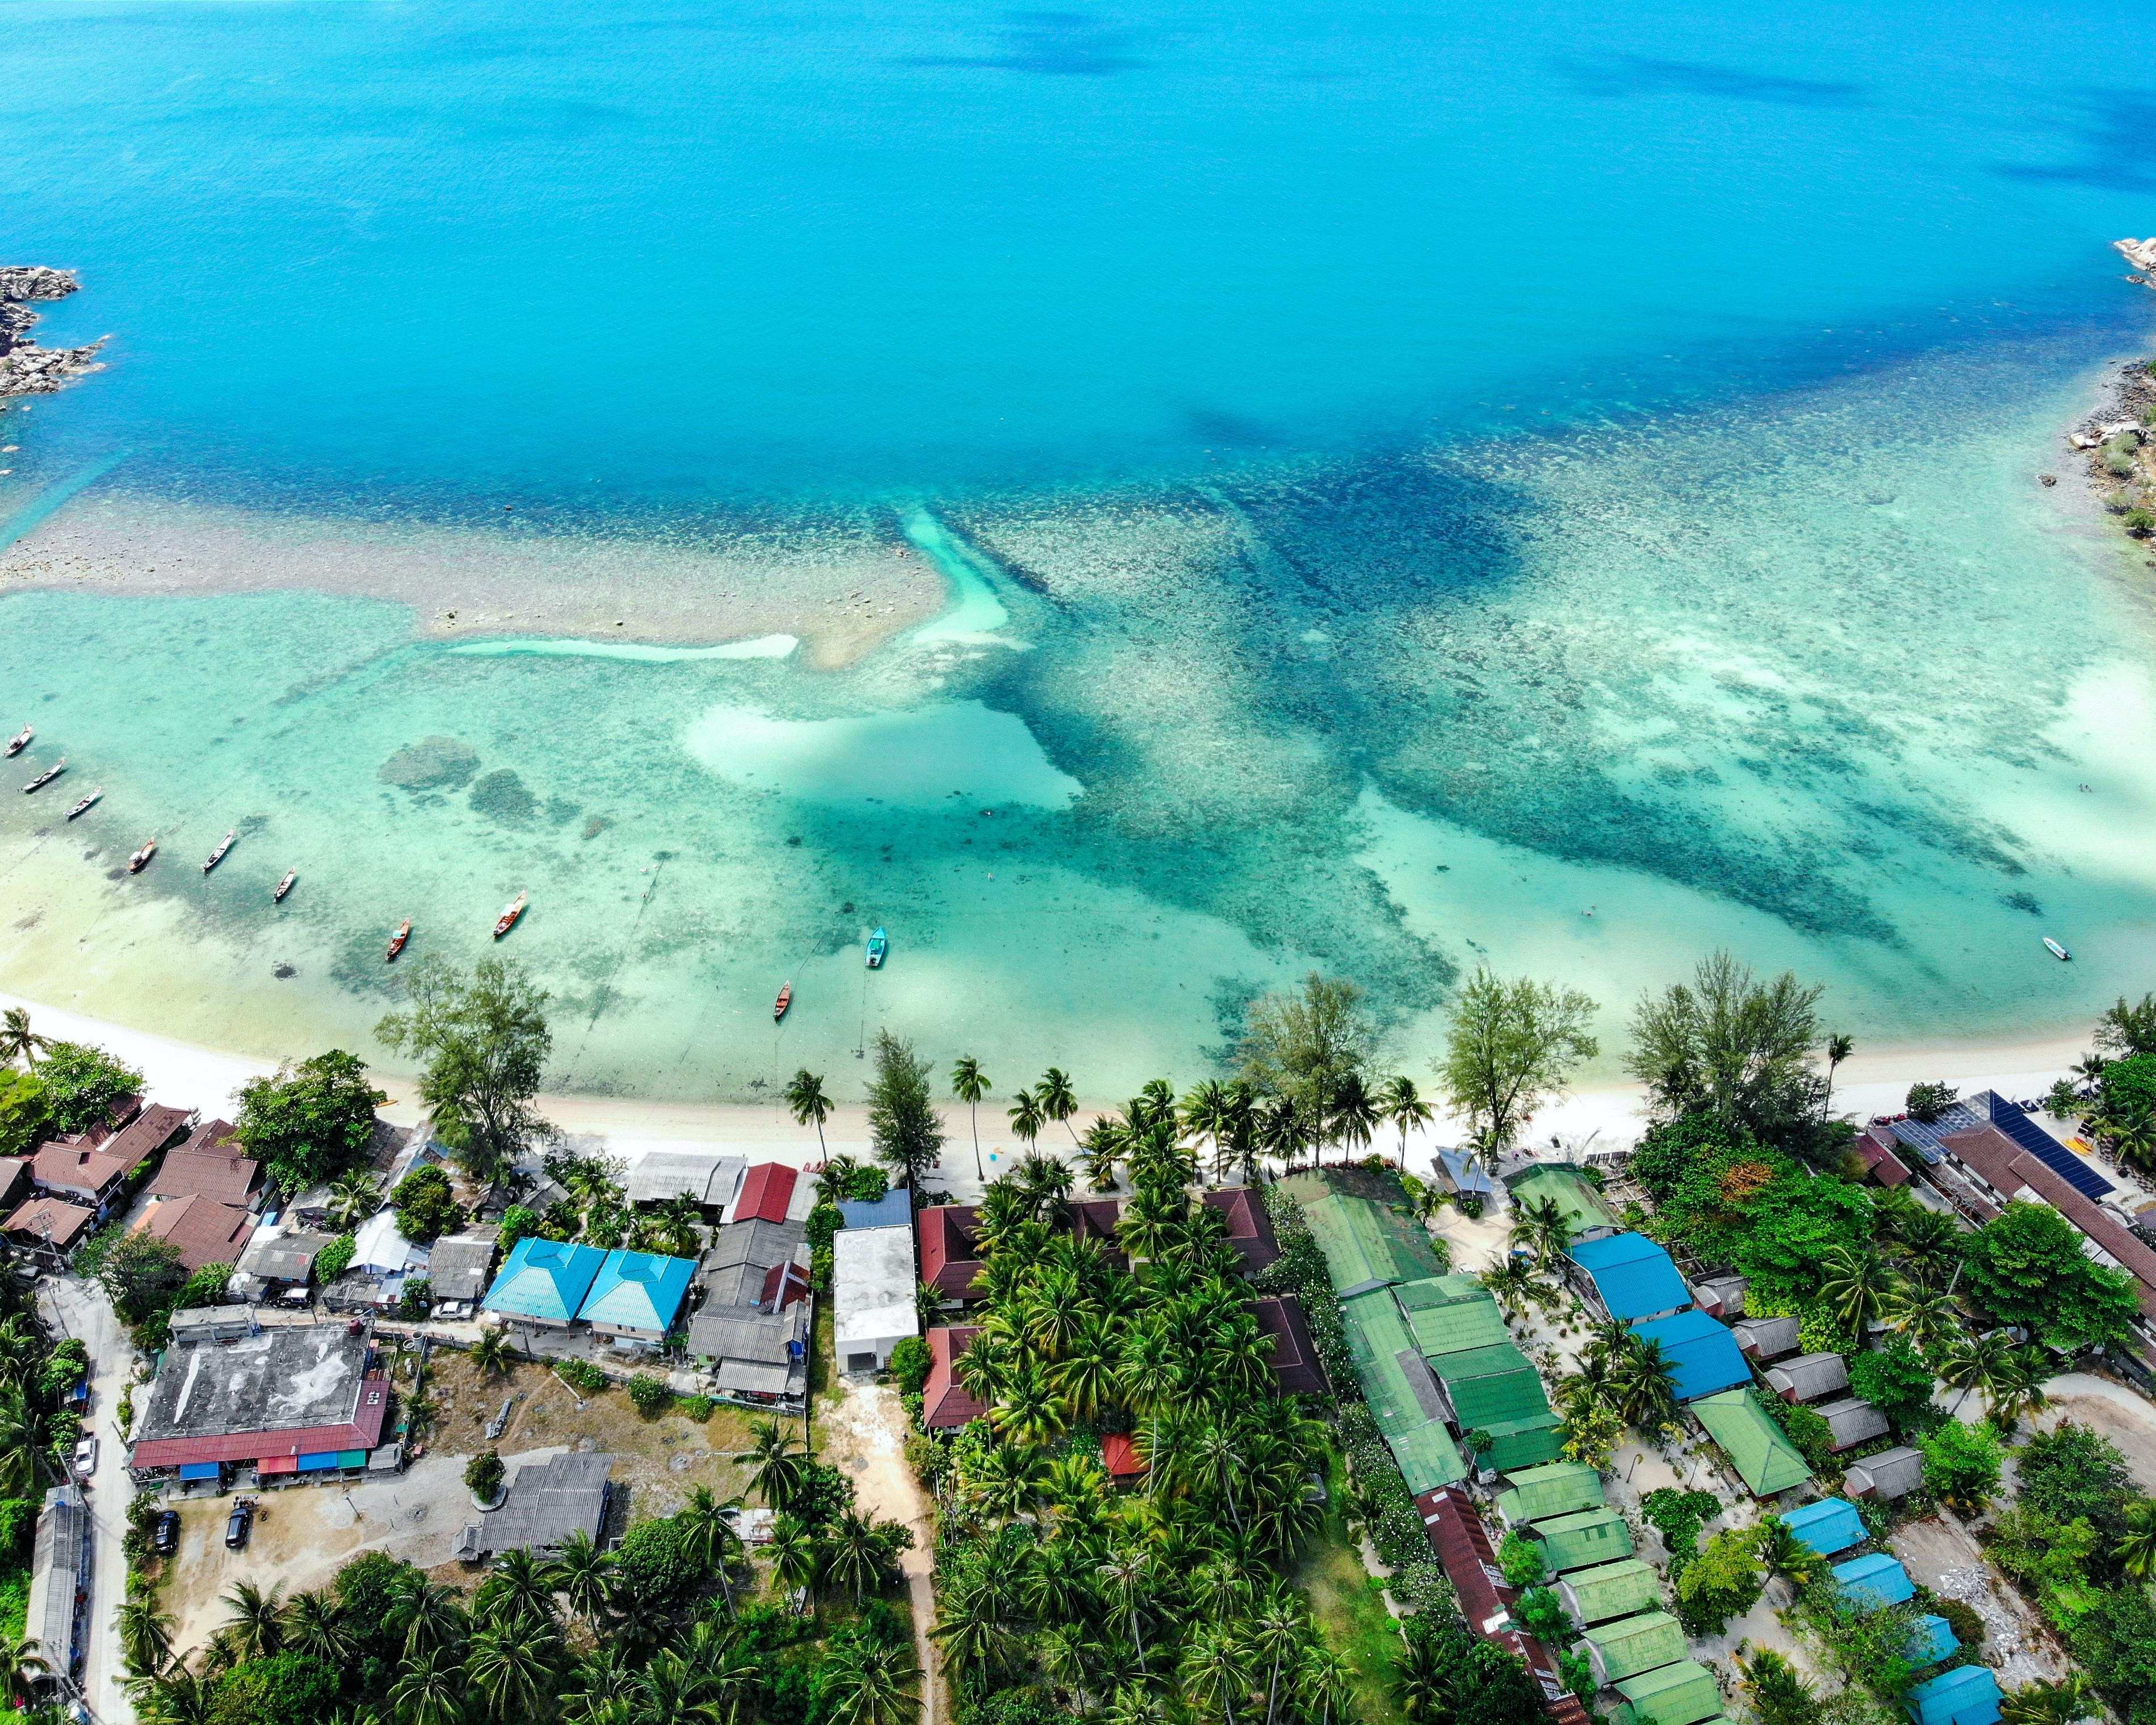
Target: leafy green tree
x=1512 y=1045
x=484 y=1041
x=654 y=1569
x=25 y=1112
x=279 y=1689
x=311 y=1121
x=1895 y=1379
x=1962 y=1463
x=141 y=1275
x=82 y=1084
x=904 y=1127
x=1724 y=1581
x=483 y=1474
x=1301 y=1044
x=2073 y=1470
x=205 y=1287
x=2127 y=1030
x=1729 y=1045
x=1521 y=1560
x=1926 y=1101
x=2025 y=1267
x=1777 y=1693
x=426 y=1204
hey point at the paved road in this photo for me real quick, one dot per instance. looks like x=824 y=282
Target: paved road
x=80 y=1309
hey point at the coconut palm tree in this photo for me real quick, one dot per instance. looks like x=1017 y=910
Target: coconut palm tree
x=1982 y=1363
x=1212 y=1669
x=1781 y=1552
x=1645 y=1385
x=1278 y=1630
x=356 y=1195
x=582 y=1574
x=146 y=1633
x=2021 y=1391
x=1124 y=1570
x=2063 y=1702
x=1856 y=1287
x=1286 y=1130
x=431 y=1615
x=1354 y=1114
x=854 y=1552
x=1839 y=1048
x=1205 y=1116
x=806 y=1099
x=1056 y=1100
x=872 y=1683
x=511 y=1665
x=314 y=1626
x=1543 y=1229
x=1401 y=1107
x=777 y=1469
x=1512 y=1283
x=429 y=1689
x=796 y=1563
x=493 y=1353
x=1106 y=1143
x=1930 y=1244
x=256 y=1625
x=1933 y=1322
x=518 y=1587
x=707 y=1526
x=16 y=1043
x=1026 y=1119
x=969 y=1084
x=2136 y=1550
x=1322 y=1683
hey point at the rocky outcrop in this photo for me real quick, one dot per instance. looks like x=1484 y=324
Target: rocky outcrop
x=25 y=367
x=2141 y=254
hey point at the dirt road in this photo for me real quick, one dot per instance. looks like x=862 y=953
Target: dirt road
x=862 y=1429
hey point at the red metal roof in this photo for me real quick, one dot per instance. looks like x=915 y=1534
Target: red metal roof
x=946 y=1402
x=65 y=1220
x=944 y=1233
x=1295 y=1355
x=214 y=1174
x=1119 y=1457
x=1876 y=1150
x=363 y=1431
x=200 y=1230
x=766 y=1192
x=783 y=1285
x=1462 y=1541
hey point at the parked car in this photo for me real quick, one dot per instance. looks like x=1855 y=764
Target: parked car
x=86 y=1457
x=240 y=1524
x=166 y=1539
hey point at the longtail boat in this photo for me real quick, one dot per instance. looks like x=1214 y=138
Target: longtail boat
x=224 y=844
x=785 y=999
x=20 y=741
x=2056 y=950
x=47 y=777
x=141 y=859
x=87 y=803
x=507 y=920
x=283 y=886
x=397 y=940
x=879 y=947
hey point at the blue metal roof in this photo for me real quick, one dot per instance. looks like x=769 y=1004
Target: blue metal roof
x=1704 y=1356
x=1827 y=1527
x=637 y=1290
x=1968 y=1695
x=544 y=1278
x=1932 y=1640
x=1633 y=1275
x=893 y=1209
x=1873 y=1581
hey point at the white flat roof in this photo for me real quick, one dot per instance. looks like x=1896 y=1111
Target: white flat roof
x=872 y=1283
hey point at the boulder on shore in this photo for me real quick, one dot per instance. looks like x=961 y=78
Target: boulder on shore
x=25 y=367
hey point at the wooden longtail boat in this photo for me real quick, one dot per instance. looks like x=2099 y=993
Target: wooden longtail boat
x=785 y=999
x=507 y=920
x=397 y=940
x=20 y=741
x=47 y=777
x=141 y=859
x=87 y=803
x=224 y=844
x=283 y=886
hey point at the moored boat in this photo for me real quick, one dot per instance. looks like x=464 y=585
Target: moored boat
x=224 y=844
x=141 y=859
x=785 y=999
x=283 y=886
x=507 y=920
x=20 y=741
x=879 y=947
x=47 y=777
x=397 y=940
x=2056 y=950
x=87 y=803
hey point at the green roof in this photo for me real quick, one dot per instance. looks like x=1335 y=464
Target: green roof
x=1454 y=1288
x=1497 y=1399
x=1406 y=1411
x=1683 y=1694
x=1523 y=1443
x=1457 y=1326
x=1586 y=1536
x=1635 y=1645
x=1765 y=1460
x=1610 y=1590
x=1581 y=1204
x=1498 y=1360
x=1539 y=1493
x=1364 y=1242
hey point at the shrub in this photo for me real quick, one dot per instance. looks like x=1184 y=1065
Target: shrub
x=864 y=1183
x=1895 y=1380
x=649 y=1393
x=2140 y=522
x=1722 y=1582
x=2074 y=1471
x=1541 y=1613
x=582 y=1376
x=656 y=1566
x=1961 y=1464
x=517 y=1222
x=417 y=1299
x=81 y=1084
x=1811 y=1432
x=1678 y=1516
x=287 y=1689
x=483 y=1473
x=819 y=1269
x=1471 y=1205
x=1964 y=1621
x=333 y=1260
x=910 y=1361
x=1928 y=1099
x=1395 y=1523
x=823 y=1222
x=698 y=1408
x=1520 y=1559
x=426 y=1204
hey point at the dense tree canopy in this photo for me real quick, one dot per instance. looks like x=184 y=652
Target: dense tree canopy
x=1512 y=1044
x=485 y=1042
x=1729 y=1045
x=309 y=1122
x=2027 y=1267
x=903 y=1127
x=81 y=1084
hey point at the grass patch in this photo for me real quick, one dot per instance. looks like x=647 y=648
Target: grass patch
x=1347 y=1604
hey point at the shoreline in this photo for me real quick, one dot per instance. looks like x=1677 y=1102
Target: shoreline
x=1872 y=1081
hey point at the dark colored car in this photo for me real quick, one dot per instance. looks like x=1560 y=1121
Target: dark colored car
x=240 y=1524
x=166 y=1540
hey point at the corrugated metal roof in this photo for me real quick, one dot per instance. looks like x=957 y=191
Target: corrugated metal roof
x=1584 y=1538
x=1610 y=1590
x=1523 y=1443
x=544 y=1278
x=1634 y=1645
x=1829 y=1526
x=1968 y=1695
x=547 y=1502
x=1764 y=1459
x=1457 y=1326
x=1632 y=1275
x=1874 y=1580
x=1681 y=1694
x=1932 y=1640
x=1704 y=1356
x=1560 y=1488
x=1584 y=1208
x=637 y=1290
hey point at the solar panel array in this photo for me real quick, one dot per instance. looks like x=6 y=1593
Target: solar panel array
x=2012 y=1119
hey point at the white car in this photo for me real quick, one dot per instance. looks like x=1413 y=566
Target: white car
x=86 y=1457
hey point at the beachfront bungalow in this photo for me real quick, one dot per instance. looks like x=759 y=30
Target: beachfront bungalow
x=1827 y=1528
x=1560 y=1488
x=1250 y=1229
x=950 y=1261
x=1578 y=1198
x=893 y=1209
x=1852 y=1421
x=1294 y=1357
x=1461 y=1175
x=1968 y=1695
x=1632 y=1645
x=634 y=1297
x=1809 y=1377
x=945 y=1403
x=1610 y=1590
x=1891 y=1474
x=1764 y=1338
x=1932 y=1640
x=1628 y=1277
x=1685 y=1693
x=45 y=1231
x=1874 y=1580
x=706 y=1178
x=1721 y=1296
x=1581 y=1540
x=544 y=1282
x=222 y=1176
x=1704 y=1356
x=1756 y=1447
x=773 y=1192
x=1451 y=1314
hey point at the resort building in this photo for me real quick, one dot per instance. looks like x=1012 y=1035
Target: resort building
x=1754 y=1445
x=872 y=1282
x=78 y=1175
x=1968 y=1695
x=755 y=1267
x=1852 y=1421
x=1538 y=1493
x=1250 y=1229
x=1462 y=1542
x=634 y=1296
x=1871 y=1582
x=294 y=1401
x=1581 y=1540
x=1458 y=1174
x=1809 y=1377
x=1721 y=1296
x=150 y=1130
x=544 y=1282
x=1633 y=1646
x=547 y=1504
x=1681 y=1694
x=1765 y=1339
x=14 y=1182
x=950 y=1261
x=945 y=1403
x=1628 y=1277
x=1610 y=1590
x=46 y=1231
x=1580 y=1200
x=1891 y=1474
x=1294 y=1357
x=711 y=1179
x=1828 y=1527
x=1704 y=1356
x=1398 y=1387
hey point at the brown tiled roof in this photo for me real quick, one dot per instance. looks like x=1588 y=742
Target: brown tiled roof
x=200 y=1230
x=1250 y=1229
x=945 y=1403
x=2008 y=1168
x=1295 y=1355
x=1877 y=1149
x=949 y=1259
x=211 y=1135
x=217 y=1174
x=73 y=1167
x=150 y=1130
x=66 y=1221
x=14 y=1171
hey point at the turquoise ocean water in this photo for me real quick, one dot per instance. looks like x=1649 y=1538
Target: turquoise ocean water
x=1419 y=486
